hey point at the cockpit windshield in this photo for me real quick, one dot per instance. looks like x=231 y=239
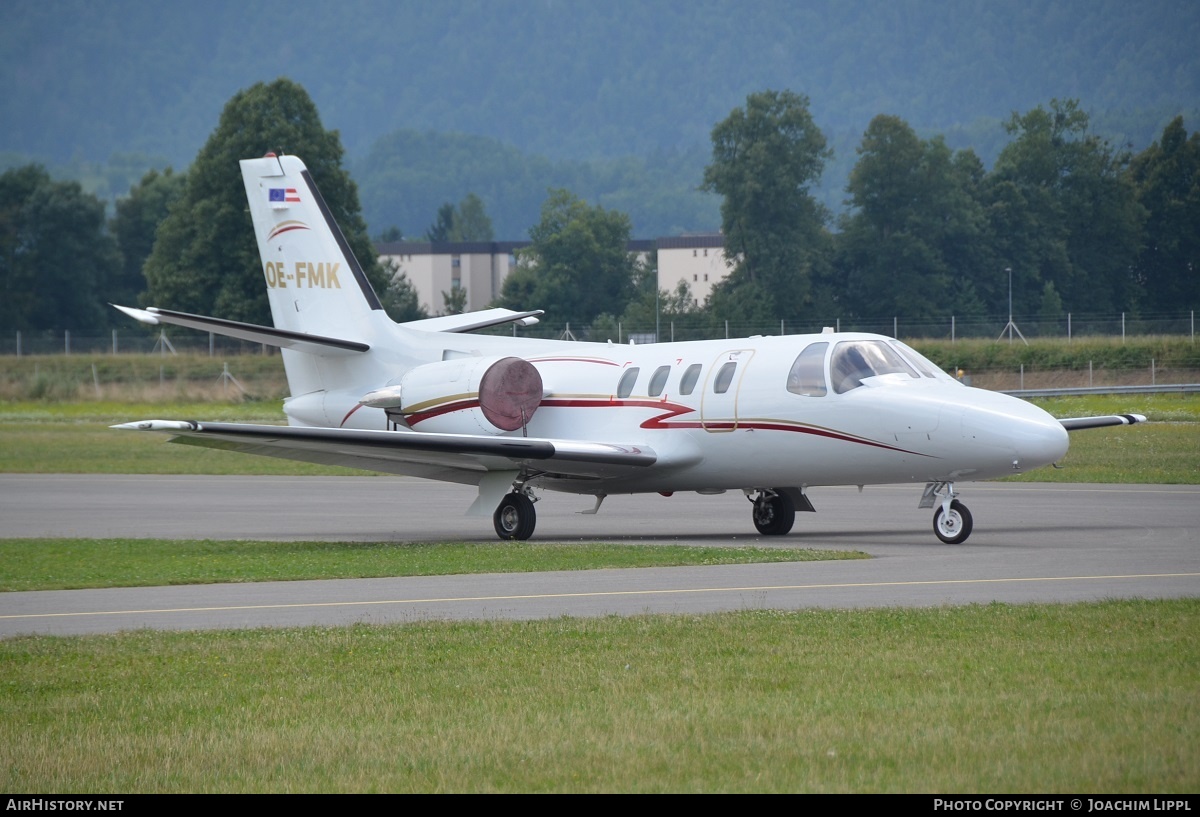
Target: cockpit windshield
x=855 y=360
x=927 y=367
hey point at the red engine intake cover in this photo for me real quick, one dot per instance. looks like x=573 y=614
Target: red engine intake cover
x=509 y=393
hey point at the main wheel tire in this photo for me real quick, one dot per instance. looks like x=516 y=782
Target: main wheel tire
x=515 y=517
x=953 y=528
x=774 y=515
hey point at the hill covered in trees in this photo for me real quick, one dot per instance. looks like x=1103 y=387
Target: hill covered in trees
x=615 y=101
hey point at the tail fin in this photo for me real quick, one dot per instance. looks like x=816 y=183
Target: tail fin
x=314 y=282
x=315 y=285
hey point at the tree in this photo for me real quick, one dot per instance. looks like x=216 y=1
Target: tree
x=57 y=261
x=399 y=297
x=1050 y=312
x=391 y=235
x=1167 y=179
x=205 y=258
x=471 y=222
x=1085 y=219
x=911 y=244
x=439 y=230
x=454 y=302
x=135 y=225
x=765 y=159
x=577 y=265
x=466 y=222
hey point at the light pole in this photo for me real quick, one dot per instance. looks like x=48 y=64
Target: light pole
x=1010 y=327
x=1009 y=270
x=656 y=329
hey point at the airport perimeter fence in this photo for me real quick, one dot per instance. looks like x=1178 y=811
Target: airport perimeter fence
x=1018 y=329
x=1160 y=353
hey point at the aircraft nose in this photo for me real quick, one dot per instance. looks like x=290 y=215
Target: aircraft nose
x=1023 y=434
x=1041 y=440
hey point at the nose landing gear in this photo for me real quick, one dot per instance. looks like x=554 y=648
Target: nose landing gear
x=952 y=521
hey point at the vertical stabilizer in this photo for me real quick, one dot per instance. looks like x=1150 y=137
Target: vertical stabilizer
x=314 y=283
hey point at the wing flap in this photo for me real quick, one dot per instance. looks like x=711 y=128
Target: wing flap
x=455 y=457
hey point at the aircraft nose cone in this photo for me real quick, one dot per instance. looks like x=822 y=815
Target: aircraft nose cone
x=1019 y=435
x=1040 y=441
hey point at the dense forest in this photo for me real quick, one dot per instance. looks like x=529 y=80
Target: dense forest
x=943 y=144
x=614 y=101
x=1077 y=223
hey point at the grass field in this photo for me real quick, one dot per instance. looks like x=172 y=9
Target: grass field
x=56 y=564
x=994 y=699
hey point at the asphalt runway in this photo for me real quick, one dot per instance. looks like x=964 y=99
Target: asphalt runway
x=1031 y=543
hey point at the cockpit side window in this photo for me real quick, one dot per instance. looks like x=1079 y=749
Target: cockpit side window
x=855 y=360
x=807 y=375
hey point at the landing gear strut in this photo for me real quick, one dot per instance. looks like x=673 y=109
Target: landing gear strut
x=774 y=513
x=515 y=517
x=952 y=521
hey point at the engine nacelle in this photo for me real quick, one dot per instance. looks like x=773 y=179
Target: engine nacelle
x=470 y=395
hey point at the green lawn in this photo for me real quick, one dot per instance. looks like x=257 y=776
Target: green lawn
x=996 y=699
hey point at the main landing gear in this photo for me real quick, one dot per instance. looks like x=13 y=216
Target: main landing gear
x=515 y=517
x=952 y=521
x=774 y=513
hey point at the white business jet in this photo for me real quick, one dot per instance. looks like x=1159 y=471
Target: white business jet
x=767 y=416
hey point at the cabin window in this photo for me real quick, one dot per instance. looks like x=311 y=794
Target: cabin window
x=855 y=360
x=687 y=383
x=807 y=375
x=724 y=377
x=625 y=387
x=659 y=380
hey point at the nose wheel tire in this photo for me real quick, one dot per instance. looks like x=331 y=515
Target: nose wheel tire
x=515 y=517
x=953 y=527
x=774 y=515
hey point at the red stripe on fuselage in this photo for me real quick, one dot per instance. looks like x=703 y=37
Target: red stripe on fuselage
x=663 y=420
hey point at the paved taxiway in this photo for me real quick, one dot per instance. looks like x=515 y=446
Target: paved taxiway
x=1032 y=542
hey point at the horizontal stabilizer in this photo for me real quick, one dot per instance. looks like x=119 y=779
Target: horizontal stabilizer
x=455 y=457
x=1077 y=423
x=283 y=338
x=470 y=321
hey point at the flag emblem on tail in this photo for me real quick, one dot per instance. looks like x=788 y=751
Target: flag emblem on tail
x=283 y=195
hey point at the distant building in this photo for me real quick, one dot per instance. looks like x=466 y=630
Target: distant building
x=480 y=267
x=697 y=259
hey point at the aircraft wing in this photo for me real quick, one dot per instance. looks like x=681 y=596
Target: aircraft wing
x=1077 y=423
x=463 y=458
